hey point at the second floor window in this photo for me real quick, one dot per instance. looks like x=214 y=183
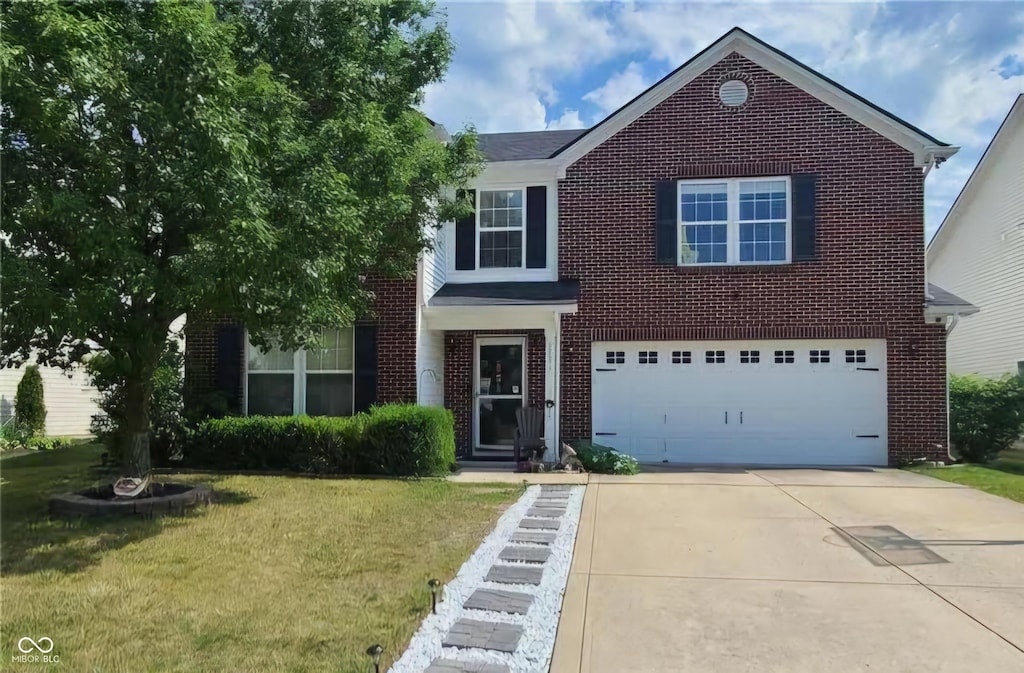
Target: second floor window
x=500 y=220
x=742 y=221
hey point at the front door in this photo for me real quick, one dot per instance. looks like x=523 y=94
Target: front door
x=500 y=388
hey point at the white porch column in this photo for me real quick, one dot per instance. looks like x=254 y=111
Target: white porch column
x=551 y=358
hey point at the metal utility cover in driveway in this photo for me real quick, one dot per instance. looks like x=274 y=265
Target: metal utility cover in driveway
x=892 y=545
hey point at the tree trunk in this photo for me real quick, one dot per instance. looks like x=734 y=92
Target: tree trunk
x=138 y=394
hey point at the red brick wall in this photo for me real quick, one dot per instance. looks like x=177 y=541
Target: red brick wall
x=394 y=310
x=458 y=377
x=868 y=279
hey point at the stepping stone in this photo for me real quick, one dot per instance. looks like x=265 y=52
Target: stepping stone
x=549 y=512
x=456 y=666
x=525 y=554
x=549 y=524
x=536 y=537
x=485 y=635
x=517 y=574
x=546 y=488
x=497 y=600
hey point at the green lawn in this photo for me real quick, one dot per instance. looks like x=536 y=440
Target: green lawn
x=285 y=574
x=1003 y=477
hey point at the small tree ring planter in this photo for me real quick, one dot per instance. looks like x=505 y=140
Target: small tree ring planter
x=164 y=499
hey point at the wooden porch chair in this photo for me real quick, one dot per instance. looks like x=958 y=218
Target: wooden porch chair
x=529 y=445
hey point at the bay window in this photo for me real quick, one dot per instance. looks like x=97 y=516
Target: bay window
x=317 y=381
x=738 y=221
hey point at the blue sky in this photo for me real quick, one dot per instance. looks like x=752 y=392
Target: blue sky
x=951 y=68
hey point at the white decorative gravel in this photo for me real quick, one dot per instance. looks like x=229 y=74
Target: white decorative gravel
x=533 y=654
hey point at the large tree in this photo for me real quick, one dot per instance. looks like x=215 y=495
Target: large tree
x=257 y=159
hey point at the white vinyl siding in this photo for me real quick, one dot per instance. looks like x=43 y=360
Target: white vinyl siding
x=980 y=258
x=70 y=402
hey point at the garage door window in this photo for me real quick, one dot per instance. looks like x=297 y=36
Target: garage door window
x=648 y=357
x=615 y=358
x=819 y=357
x=784 y=357
x=740 y=221
x=714 y=357
x=857 y=356
x=750 y=357
x=681 y=357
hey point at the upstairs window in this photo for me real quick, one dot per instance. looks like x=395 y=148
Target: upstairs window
x=500 y=223
x=740 y=221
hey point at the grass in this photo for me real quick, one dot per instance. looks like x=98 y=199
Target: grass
x=1003 y=477
x=285 y=574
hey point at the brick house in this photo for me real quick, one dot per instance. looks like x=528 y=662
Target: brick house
x=728 y=269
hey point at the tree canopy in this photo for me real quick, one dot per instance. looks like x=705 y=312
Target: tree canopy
x=258 y=159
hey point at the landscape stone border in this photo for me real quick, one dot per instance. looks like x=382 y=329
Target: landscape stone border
x=95 y=502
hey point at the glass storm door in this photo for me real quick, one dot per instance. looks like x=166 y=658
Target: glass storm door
x=499 y=390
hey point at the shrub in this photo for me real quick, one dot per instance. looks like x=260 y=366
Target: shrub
x=603 y=459
x=14 y=437
x=167 y=428
x=986 y=415
x=397 y=440
x=29 y=407
x=408 y=439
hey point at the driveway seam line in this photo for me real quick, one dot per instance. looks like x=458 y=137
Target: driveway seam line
x=914 y=579
x=590 y=568
x=760 y=579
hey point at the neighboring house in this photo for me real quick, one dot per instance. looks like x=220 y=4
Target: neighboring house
x=728 y=269
x=70 y=401
x=978 y=253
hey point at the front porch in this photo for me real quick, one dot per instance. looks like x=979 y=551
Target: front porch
x=500 y=354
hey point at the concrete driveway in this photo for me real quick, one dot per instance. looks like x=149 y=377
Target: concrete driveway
x=793 y=571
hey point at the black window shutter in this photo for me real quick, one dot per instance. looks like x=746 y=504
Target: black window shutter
x=365 y=377
x=465 y=236
x=804 y=187
x=666 y=228
x=536 y=227
x=228 y=370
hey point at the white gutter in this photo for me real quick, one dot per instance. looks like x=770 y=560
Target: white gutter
x=950 y=326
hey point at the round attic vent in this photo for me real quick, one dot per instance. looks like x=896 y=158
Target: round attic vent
x=733 y=93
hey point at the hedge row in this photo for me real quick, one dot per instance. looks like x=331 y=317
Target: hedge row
x=396 y=440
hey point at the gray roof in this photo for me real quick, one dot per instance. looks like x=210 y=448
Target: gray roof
x=507 y=293
x=525 y=144
x=939 y=298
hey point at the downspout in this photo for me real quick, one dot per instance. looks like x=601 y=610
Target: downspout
x=949 y=329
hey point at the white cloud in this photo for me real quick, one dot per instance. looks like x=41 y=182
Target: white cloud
x=619 y=89
x=570 y=119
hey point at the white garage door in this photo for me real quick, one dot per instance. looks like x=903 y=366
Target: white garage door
x=819 y=402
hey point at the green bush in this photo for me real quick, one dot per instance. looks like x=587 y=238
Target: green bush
x=986 y=415
x=410 y=440
x=14 y=437
x=603 y=459
x=29 y=407
x=397 y=440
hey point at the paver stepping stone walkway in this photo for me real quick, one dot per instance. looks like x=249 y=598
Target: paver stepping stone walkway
x=534 y=536
x=497 y=600
x=485 y=635
x=548 y=524
x=514 y=574
x=525 y=554
x=548 y=512
x=504 y=621
x=455 y=666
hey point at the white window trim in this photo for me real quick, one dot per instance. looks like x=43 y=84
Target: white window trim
x=520 y=228
x=732 y=231
x=298 y=372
